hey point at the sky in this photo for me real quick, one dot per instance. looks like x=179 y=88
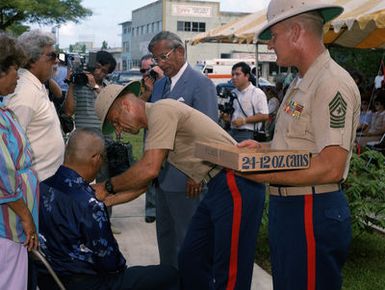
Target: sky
x=107 y=14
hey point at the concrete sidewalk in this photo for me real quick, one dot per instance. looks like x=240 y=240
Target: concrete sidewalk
x=138 y=240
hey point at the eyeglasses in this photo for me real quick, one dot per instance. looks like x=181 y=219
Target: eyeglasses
x=52 y=55
x=163 y=57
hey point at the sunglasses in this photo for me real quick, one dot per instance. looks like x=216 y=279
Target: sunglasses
x=52 y=55
x=163 y=57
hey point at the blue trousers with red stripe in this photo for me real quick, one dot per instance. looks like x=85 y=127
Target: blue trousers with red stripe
x=309 y=239
x=219 y=248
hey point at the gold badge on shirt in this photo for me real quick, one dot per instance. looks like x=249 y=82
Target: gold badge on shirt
x=293 y=108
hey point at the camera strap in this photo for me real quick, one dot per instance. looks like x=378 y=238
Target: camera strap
x=243 y=111
x=253 y=115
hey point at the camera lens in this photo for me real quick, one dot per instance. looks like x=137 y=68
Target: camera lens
x=153 y=74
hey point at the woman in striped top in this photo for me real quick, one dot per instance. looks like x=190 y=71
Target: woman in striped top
x=19 y=194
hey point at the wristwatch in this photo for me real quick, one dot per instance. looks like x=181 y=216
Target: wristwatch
x=108 y=186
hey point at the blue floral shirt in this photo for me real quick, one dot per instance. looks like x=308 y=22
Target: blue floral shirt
x=75 y=232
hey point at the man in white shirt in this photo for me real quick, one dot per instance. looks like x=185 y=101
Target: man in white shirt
x=35 y=112
x=250 y=105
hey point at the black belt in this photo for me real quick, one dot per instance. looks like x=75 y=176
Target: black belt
x=242 y=130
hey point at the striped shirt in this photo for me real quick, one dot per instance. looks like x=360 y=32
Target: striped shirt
x=17 y=178
x=85 y=115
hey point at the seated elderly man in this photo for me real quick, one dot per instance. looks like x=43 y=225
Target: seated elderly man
x=75 y=231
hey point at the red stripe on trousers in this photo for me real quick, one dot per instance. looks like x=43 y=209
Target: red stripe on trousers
x=237 y=213
x=310 y=241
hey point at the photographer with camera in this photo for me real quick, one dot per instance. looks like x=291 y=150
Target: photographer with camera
x=84 y=87
x=250 y=106
x=151 y=73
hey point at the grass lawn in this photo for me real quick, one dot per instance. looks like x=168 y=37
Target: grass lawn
x=364 y=269
x=136 y=142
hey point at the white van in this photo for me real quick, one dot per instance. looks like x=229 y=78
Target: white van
x=219 y=69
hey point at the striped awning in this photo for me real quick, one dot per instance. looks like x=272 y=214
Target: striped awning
x=362 y=25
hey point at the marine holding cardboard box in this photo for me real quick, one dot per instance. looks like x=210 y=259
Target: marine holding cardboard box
x=219 y=248
x=309 y=228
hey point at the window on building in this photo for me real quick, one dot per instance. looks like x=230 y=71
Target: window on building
x=153 y=27
x=180 y=26
x=194 y=27
x=148 y=28
x=124 y=65
x=187 y=26
x=126 y=46
x=202 y=27
x=191 y=26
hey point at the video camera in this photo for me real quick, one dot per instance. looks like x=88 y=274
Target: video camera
x=227 y=107
x=77 y=64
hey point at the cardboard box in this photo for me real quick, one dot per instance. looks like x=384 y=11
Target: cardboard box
x=244 y=160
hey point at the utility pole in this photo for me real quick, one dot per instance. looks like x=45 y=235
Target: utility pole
x=55 y=31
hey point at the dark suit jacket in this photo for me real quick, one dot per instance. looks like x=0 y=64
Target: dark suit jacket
x=197 y=91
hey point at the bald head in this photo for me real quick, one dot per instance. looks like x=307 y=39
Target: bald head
x=82 y=145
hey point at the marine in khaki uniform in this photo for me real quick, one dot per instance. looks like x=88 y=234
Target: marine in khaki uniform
x=219 y=248
x=309 y=218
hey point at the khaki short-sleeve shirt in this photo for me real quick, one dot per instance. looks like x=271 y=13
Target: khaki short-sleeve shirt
x=319 y=110
x=177 y=127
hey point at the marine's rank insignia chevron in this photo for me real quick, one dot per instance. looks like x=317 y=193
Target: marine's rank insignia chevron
x=337 y=110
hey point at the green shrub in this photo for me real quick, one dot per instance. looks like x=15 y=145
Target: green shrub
x=365 y=189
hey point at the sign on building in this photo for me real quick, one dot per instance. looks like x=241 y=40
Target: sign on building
x=192 y=11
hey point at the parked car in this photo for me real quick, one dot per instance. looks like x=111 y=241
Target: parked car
x=224 y=89
x=123 y=77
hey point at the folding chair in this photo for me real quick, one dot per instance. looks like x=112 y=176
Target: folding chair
x=377 y=145
x=39 y=256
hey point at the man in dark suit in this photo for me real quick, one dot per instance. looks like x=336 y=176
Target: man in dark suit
x=177 y=196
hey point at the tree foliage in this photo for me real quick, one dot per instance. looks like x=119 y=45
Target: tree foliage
x=14 y=13
x=365 y=61
x=365 y=189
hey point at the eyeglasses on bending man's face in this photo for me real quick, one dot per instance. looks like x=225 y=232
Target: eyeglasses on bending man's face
x=163 y=57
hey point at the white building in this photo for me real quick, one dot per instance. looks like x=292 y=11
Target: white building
x=186 y=19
